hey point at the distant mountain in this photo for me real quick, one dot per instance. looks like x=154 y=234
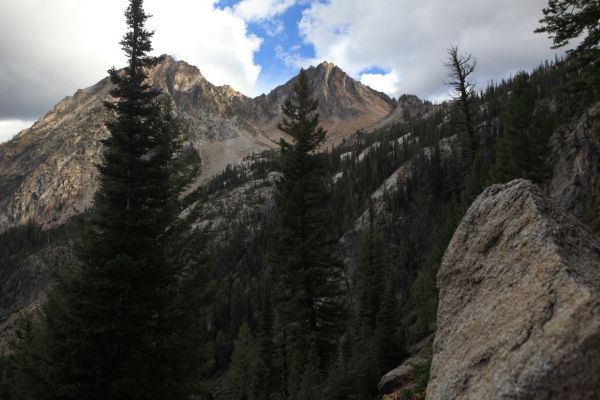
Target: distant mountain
x=47 y=172
x=345 y=105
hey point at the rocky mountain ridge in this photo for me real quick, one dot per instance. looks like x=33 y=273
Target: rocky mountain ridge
x=48 y=174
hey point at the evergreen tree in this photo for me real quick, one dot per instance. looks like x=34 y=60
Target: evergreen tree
x=567 y=20
x=241 y=380
x=340 y=384
x=117 y=327
x=388 y=343
x=540 y=168
x=369 y=277
x=460 y=67
x=266 y=374
x=512 y=147
x=310 y=298
x=522 y=149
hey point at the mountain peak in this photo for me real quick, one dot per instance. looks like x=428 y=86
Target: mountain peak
x=326 y=69
x=58 y=179
x=327 y=65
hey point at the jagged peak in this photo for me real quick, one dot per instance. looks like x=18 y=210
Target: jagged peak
x=327 y=68
x=168 y=60
x=328 y=65
x=179 y=67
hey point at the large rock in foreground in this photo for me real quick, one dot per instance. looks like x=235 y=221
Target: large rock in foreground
x=519 y=312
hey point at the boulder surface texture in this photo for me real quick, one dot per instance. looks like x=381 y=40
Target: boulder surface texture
x=519 y=309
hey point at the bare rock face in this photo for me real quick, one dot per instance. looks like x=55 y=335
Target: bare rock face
x=47 y=172
x=519 y=312
x=345 y=105
x=407 y=107
x=576 y=178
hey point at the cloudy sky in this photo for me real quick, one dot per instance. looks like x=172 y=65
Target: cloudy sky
x=51 y=48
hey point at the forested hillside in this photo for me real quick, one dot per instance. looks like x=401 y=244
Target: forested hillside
x=302 y=272
x=397 y=195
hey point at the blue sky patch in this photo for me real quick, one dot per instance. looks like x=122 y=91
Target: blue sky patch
x=374 y=70
x=223 y=4
x=282 y=44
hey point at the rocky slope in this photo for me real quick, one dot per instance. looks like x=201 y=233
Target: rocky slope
x=47 y=172
x=575 y=182
x=519 y=310
x=345 y=105
x=24 y=286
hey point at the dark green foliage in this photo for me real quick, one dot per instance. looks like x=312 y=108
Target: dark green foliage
x=122 y=323
x=566 y=20
x=370 y=277
x=460 y=68
x=241 y=381
x=410 y=241
x=18 y=370
x=420 y=378
x=19 y=245
x=267 y=373
x=522 y=149
x=371 y=344
x=388 y=341
x=20 y=241
x=255 y=318
x=308 y=272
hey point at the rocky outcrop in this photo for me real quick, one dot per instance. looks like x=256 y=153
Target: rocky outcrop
x=407 y=107
x=400 y=383
x=47 y=172
x=519 y=309
x=575 y=182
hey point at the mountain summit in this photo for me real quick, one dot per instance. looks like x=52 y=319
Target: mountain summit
x=345 y=105
x=48 y=173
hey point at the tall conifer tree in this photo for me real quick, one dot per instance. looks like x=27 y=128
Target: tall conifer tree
x=522 y=149
x=119 y=325
x=460 y=68
x=310 y=298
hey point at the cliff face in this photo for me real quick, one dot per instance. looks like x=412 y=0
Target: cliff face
x=519 y=309
x=47 y=172
x=575 y=183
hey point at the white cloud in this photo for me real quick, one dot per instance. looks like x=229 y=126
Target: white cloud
x=411 y=38
x=51 y=48
x=256 y=10
x=273 y=27
x=290 y=56
x=387 y=83
x=9 y=128
x=216 y=41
